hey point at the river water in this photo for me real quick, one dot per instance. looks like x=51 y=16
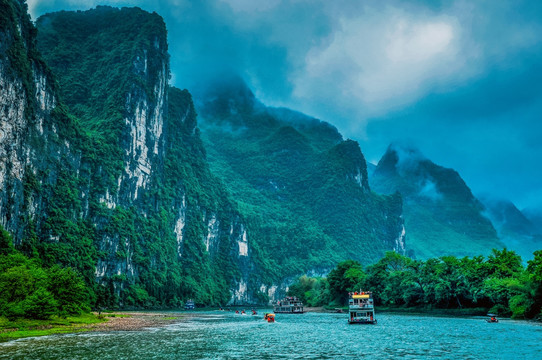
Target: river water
x=225 y=335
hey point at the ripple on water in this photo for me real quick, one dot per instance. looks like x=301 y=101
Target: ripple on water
x=214 y=335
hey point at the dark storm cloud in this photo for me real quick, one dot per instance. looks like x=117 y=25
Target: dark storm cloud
x=460 y=79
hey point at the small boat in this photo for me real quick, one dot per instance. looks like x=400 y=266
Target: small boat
x=361 y=308
x=190 y=305
x=254 y=312
x=289 y=305
x=492 y=318
x=270 y=317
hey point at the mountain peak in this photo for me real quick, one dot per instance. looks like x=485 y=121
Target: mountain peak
x=225 y=96
x=401 y=157
x=437 y=204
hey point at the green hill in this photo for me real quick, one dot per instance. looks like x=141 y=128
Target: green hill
x=515 y=229
x=442 y=217
x=303 y=190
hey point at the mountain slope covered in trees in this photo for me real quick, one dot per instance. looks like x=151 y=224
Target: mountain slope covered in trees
x=124 y=193
x=99 y=172
x=442 y=217
x=302 y=188
x=515 y=229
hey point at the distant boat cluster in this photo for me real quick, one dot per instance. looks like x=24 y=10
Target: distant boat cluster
x=360 y=308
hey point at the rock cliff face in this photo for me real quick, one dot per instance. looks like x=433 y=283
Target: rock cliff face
x=102 y=168
x=27 y=128
x=112 y=180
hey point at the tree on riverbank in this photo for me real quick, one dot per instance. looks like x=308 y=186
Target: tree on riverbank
x=29 y=290
x=499 y=283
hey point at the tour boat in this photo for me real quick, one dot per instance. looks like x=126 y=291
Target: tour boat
x=361 y=308
x=492 y=318
x=190 y=305
x=270 y=317
x=289 y=305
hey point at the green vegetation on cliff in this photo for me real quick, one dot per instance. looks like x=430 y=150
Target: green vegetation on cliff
x=442 y=217
x=112 y=65
x=99 y=57
x=18 y=43
x=302 y=189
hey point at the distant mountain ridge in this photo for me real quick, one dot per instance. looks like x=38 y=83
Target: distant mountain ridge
x=441 y=214
x=514 y=228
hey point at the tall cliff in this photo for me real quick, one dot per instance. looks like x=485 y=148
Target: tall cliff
x=31 y=125
x=101 y=171
x=442 y=217
x=303 y=189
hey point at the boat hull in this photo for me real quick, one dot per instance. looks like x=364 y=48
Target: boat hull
x=363 y=322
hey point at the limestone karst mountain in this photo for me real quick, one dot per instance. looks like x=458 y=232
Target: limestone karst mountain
x=442 y=216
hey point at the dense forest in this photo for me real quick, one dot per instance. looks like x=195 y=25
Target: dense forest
x=302 y=188
x=30 y=290
x=498 y=283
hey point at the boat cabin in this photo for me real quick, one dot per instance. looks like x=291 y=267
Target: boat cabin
x=190 y=305
x=289 y=305
x=361 y=308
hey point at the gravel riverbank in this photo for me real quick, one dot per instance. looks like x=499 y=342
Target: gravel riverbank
x=131 y=321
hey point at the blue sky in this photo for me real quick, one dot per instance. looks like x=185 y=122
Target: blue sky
x=462 y=80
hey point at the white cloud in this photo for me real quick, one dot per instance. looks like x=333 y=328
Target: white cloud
x=251 y=6
x=382 y=60
x=32 y=7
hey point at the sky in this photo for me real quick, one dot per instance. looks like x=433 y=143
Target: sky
x=461 y=80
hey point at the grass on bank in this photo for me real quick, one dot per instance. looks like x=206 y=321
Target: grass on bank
x=21 y=328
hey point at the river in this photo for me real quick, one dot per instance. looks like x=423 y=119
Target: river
x=225 y=335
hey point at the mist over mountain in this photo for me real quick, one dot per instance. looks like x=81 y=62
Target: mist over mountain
x=516 y=230
x=295 y=173
x=441 y=214
x=535 y=217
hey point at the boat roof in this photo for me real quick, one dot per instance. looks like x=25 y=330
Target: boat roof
x=360 y=296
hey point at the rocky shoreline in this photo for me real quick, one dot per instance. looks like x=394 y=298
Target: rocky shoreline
x=132 y=321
